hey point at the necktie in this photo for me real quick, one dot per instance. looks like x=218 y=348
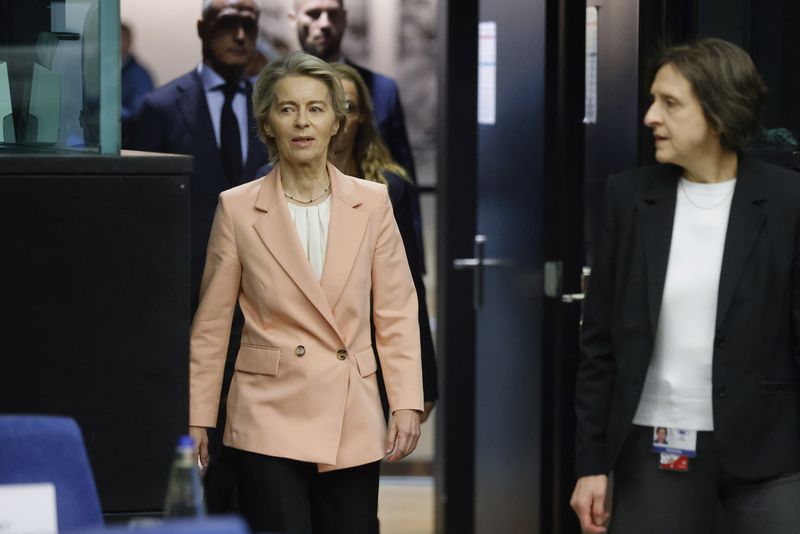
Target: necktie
x=230 y=143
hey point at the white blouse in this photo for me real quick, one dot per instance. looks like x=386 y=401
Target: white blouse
x=677 y=390
x=311 y=223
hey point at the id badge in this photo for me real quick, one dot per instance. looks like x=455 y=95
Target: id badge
x=676 y=441
x=673 y=462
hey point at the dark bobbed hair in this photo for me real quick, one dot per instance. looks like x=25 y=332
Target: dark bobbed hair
x=294 y=64
x=371 y=155
x=725 y=81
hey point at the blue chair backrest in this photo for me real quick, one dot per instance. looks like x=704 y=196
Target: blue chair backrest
x=211 y=525
x=36 y=448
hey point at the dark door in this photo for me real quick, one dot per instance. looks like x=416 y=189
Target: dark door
x=506 y=184
x=508 y=292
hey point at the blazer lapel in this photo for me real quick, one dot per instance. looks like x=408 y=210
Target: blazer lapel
x=744 y=226
x=194 y=109
x=345 y=235
x=657 y=213
x=276 y=230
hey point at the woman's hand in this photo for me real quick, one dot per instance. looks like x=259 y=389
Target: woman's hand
x=200 y=437
x=403 y=434
x=589 y=500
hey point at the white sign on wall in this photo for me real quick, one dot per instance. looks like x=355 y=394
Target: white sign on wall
x=487 y=72
x=590 y=105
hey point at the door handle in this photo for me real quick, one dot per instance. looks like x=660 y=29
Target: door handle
x=461 y=264
x=476 y=264
x=553 y=283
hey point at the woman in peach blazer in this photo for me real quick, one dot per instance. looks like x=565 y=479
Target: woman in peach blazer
x=311 y=255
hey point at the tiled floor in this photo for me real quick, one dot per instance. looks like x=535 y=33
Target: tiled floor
x=406 y=505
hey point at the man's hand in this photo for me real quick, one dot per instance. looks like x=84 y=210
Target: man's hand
x=200 y=437
x=590 y=502
x=403 y=434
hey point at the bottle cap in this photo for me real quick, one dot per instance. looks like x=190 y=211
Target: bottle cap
x=185 y=441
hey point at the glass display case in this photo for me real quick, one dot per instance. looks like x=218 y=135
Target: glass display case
x=59 y=76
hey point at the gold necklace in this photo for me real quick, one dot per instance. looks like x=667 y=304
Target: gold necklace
x=287 y=195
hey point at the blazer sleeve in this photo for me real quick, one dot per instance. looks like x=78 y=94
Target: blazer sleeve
x=401 y=193
x=219 y=291
x=395 y=315
x=146 y=129
x=597 y=368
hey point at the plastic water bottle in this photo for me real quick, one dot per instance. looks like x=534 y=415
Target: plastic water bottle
x=184 y=491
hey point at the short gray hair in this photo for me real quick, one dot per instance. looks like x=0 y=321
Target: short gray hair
x=294 y=64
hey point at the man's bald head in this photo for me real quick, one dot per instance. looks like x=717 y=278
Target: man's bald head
x=212 y=8
x=298 y=4
x=320 y=26
x=228 y=29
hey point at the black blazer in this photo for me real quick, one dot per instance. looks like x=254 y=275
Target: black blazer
x=402 y=194
x=389 y=116
x=756 y=368
x=175 y=119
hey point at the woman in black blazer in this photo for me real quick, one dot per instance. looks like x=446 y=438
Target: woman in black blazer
x=360 y=152
x=692 y=319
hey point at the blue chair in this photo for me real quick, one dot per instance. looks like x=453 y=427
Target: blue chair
x=211 y=525
x=36 y=448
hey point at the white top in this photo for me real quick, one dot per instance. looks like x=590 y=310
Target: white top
x=311 y=223
x=677 y=390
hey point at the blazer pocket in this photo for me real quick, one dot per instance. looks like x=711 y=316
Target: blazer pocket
x=778 y=386
x=367 y=364
x=258 y=360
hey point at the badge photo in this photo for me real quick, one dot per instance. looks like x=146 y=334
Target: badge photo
x=675 y=441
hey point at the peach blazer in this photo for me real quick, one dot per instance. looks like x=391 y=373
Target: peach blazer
x=304 y=386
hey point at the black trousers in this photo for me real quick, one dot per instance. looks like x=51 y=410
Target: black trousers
x=292 y=497
x=218 y=484
x=649 y=500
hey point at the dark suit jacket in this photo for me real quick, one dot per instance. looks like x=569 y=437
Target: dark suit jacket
x=389 y=116
x=402 y=194
x=135 y=83
x=175 y=119
x=756 y=369
x=392 y=127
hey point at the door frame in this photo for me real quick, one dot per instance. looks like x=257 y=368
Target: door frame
x=457 y=170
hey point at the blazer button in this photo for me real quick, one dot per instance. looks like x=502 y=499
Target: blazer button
x=300 y=350
x=341 y=354
x=719 y=341
x=719 y=391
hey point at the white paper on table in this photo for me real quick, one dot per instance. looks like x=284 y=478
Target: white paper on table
x=28 y=509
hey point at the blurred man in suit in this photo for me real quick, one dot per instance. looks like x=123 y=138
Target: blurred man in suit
x=207 y=114
x=135 y=80
x=320 y=26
